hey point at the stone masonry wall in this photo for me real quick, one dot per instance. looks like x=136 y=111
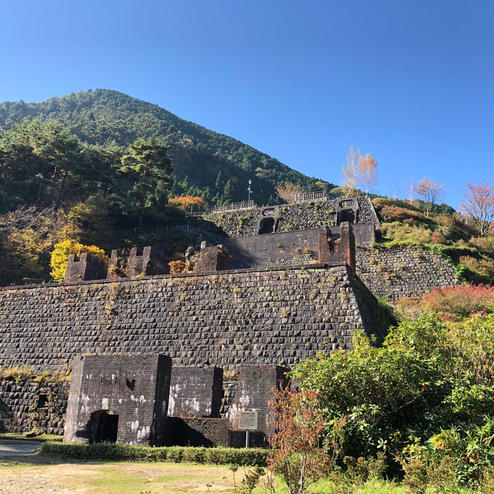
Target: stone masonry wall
x=403 y=271
x=289 y=217
x=227 y=319
x=274 y=249
x=32 y=404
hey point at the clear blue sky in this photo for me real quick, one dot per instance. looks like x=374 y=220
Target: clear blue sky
x=409 y=81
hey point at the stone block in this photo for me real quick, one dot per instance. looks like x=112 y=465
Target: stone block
x=121 y=398
x=255 y=392
x=195 y=392
x=84 y=268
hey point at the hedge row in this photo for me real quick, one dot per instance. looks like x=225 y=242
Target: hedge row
x=177 y=454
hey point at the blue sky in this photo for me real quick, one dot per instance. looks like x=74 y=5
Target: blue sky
x=409 y=81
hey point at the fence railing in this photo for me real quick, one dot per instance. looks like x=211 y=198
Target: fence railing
x=200 y=210
x=312 y=196
x=130 y=232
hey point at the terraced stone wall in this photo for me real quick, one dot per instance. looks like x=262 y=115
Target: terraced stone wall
x=403 y=271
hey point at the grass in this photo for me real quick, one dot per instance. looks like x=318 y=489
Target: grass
x=23 y=436
x=91 y=477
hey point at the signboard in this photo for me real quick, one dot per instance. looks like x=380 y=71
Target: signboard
x=247 y=420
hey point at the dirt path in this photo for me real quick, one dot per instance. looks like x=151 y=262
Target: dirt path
x=114 y=478
x=11 y=447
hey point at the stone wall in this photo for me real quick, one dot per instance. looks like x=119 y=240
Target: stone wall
x=274 y=249
x=32 y=404
x=197 y=431
x=195 y=391
x=244 y=317
x=403 y=271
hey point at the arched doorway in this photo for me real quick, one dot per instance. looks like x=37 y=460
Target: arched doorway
x=103 y=427
x=346 y=215
x=266 y=226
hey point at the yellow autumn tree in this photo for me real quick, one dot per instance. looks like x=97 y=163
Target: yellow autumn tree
x=61 y=252
x=289 y=191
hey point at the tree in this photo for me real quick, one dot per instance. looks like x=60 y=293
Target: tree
x=479 y=205
x=41 y=163
x=367 y=171
x=61 y=252
x=306 y=444
x=430 y=191
x=359 y=170
x=350 y=172
x=146 y=170
x=289 y=191
x=227 y=192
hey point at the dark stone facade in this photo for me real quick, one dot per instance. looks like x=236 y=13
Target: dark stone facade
x=211 y=259
x=340 y=251
x=273 y=250
x=255 y=392
x=198 y=431
x=120 y=398
x=196 y=392
x=145 y=262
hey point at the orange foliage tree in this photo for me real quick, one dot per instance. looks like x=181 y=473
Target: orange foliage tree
x=479 y=205
x=289 y=191
x=186 y=202
x=430 y=191
x=359 y=170
x=367 y=171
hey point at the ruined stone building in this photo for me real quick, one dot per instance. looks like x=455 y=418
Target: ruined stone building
x=157 y=358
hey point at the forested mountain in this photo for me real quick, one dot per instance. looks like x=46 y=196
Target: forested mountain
x=205 y=163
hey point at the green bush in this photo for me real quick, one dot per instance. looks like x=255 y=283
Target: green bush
x=428 y=376
x=177 y=454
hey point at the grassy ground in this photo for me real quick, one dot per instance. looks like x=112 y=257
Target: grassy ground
x=20 y=436
x=45 y=475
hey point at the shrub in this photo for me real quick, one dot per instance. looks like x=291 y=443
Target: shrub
x=437 y=238
x=394 y=213
x=461 y=455
x=61 y=252
x=428 y=375
x=177 y=454
x=482 y=269
x=307 y=443
x=484 y=244
x=177 y=267
x=458 y=302
x=408 y=307
x=405 y=234
x=380 y=202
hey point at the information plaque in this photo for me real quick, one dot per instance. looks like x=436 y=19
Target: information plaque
x=247 y=420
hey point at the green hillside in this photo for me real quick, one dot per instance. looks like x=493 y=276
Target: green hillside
x=102 y=117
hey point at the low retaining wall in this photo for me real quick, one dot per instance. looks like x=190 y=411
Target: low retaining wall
x=31 y=405
x=403 y=271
